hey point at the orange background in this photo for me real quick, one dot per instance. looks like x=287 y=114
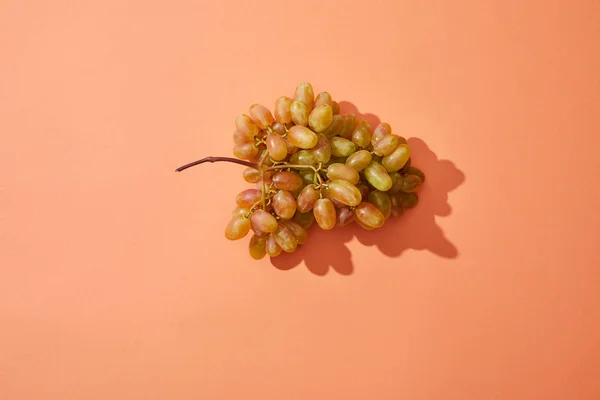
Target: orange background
x=116 y=281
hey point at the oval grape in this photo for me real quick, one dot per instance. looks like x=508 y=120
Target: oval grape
x=397 y=159
x=284 y=204
x=386 y=145
x=304 y=93
x=276 y=147
x=283 y=113
x=322 y=150
x=285 y=238
x=245 y=127
x=302 y=137
x=271 y=247
x=287 y=180
x=362 y=134
x=325 y=214
x=237 y=228
x=369 y=215
x=263 y=221
x=245 y=150
x=341 y=147
x=343 y=172
x=383 y=129
x=344 y=192
x=382 y=201
x=298 y=230
x=359 y=160
x=256 y=247
x=377 y=176
x=411 y=184
x=261 y=116
x=248 y=197
x=320 y=118
x=345 y=216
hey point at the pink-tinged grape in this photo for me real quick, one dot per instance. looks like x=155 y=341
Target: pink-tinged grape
x=299 y=113
x=377 y=176
x=336 y=203
x=397 y=206
x=343 y=192
x=382 y=201
x=256 y=247
x=348 y=125
x=322 y=150
x=325 y=214
x=245 y=150
x=271 y=246
x=298 y=230
x=251 y=175
x=335 y=106
x=369 y=215
x=323 y=98
x=240 y=211
x=341 y=147
x=285 y=238
x=383 y=129
x=302 y=137
x=397 y=159
x=337 y=122
x=276 y=146
x=345 y=216
x=248 y=197
x=362 y=134
x=305 y=94
x=411 y=184
x=245 y=127
x=386 y=145
x=239 y=137
x=283 y=113
x=263 y=221
x=307 y=198
x=284 y=204
x=396 y=182
x=417 y=172
x=359 y=160
x=286 y=180
x=261 y=116
x=237 y=228
x=279 y=128
x=303 y=157
x=343 y=172
x=291 y=149
x=305 y=219
x=320 y=118
x=363 y=189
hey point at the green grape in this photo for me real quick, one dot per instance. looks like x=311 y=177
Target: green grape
x=245 y=127
x=303 y=157
x=377 y=176
x=325 y=214
x=322 y=150
x=341 y=147
x=336 y=125
x=304 y=219
x=397 y=159
x=271 y=246
x=349 y=123
x=276 y=147
x=397 y=206
x=335 y=106
x=382 y=201
x=302 y=137
x=323 y=98
x=237 y=228
x=362 y=134
x=411 y=184
x=261 y=116
x=298 y=230
x=386 y=145
x=359 y=160
x=256 y=247
x=369 y=215
x=343 y=192
x=245 y=150
x=344 y=172
x=409 y=200
x=345 y=216
x=307 y=198
x=417 y=172
x=285 y=238
x=404 y=170
x=307 y=175
x=263 y=221
x=286 y=180
x=305 y=94
x=320 y=118
x=248 y=197
x=396 y=182
x=283 y=114
x=383 y=129
x=251 y=175
x=284 y=204
x=299 y=113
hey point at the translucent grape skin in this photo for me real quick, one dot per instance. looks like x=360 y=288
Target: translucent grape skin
x=382 y=201
x=307 y=198
x=302 y=137
x=345 y=216
x=303 y=157
x=349 y=122
x=276 y=146
x=248 y=198
x=335 y=106
x=377 y=176
x=285 y=238
x=323 y=98
x=325 y=214
x=322 y=150
x=237 y=228
x=263 y=221
x=337 y=122
x=359 y=160
x=343 y=172
x=299 y=113
x=245 y=127
x=283 y=113
x=279 y=128
x=386 y=145
x=305 y=94
x=369 y=215
x=343 y=192
x=240 y=211
x=284 y=204
x=397 y=159
x=271 y=247
x=361 y=136
x=261 y=116
x=245 y=150
x=411 y=184
x=256 y=247
x=286 y=180
x=298 y=230
x=383 y=129
x=251 y=175
x=341 y=147
x=320 y=118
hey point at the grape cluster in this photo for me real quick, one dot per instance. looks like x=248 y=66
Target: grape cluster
x=311 y=164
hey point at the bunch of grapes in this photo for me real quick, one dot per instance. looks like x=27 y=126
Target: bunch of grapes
x=311 y=164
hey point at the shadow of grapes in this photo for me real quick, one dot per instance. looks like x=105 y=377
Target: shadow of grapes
x=416 y=229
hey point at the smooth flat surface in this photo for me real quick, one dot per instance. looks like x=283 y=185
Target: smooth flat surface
x=116 y=281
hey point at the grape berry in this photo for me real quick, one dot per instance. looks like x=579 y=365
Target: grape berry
x=310 y=164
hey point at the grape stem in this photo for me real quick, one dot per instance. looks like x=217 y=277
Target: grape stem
x=218 y=159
